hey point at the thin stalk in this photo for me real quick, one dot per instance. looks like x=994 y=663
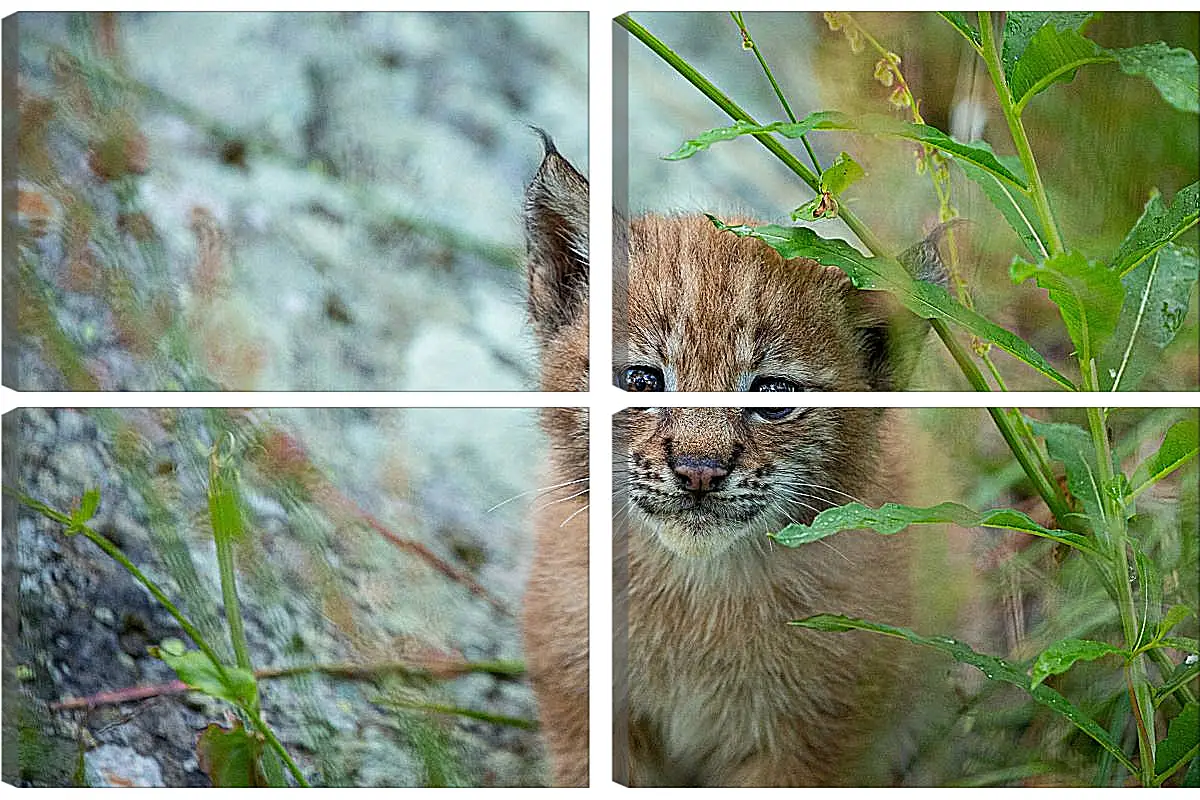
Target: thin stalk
x=1014 y=436
x=1135 y=670
x=469 y=713
x=748 y=41
x=117 y=555
x=226 y=518
x=1037 y=190
x=276 y=745
x=719 y=98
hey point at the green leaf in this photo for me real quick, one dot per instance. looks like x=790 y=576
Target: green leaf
x=1183 y=674
x=237 y=685
x=820 y=207
x=892 y=518
x=87 y=507
x=1149 y=595
x=232 y=757
x=1158 y=225
x=1072 y=445
x=1088 y=296
x=1179 y=446
x=1062 y=655
x=959 y=21
x=1020 y=27
x=871 y=123
x=1183 y=736
x=1175 y=615
x=1052 y=56
x=996 y=669
x=924 y=299
x=1016 y=207
x=1185 y=643
x=820 y=120
x=839 y=175
x=1157 y=294
x=1172 y=70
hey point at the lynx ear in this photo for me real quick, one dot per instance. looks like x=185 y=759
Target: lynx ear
x=891 y=336
x=556 y=235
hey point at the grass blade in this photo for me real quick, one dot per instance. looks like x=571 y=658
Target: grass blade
x=996 y=669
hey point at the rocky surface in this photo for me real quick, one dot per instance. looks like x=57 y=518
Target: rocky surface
x=363 y=174
x=319 y=585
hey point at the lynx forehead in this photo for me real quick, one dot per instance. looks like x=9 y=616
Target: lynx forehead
x=712 y=311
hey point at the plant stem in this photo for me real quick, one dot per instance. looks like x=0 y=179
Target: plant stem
x=276 y=745
x=1114 y=521
x=1019 y=440
x=1037 y=190
x=226 y=518
x=718 y=97
x=747 y=39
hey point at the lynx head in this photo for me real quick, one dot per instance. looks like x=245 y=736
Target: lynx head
x=702 y=310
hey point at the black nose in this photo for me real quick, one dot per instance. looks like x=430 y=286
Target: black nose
x=700 y=474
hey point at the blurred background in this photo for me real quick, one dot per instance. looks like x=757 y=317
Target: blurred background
x=276 y=201
x=1010 y=595
x=1103 y=142
x=378 y=543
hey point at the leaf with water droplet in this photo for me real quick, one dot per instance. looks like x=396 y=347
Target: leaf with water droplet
x=1062 y=655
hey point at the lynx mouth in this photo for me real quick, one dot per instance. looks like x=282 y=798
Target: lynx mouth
x=698 y=527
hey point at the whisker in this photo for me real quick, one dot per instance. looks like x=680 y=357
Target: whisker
x=574 y=514
x=539 y=490
x=580 y=493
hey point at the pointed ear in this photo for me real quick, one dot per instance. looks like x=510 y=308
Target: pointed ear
x=890 y=338
x=556 y=235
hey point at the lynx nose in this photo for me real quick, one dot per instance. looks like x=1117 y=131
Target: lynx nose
x=700 y=474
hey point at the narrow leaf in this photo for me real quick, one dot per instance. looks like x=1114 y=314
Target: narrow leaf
x=1088 y=296
x=995 y=669
x=924 y=299
x=891 y=518
x=1158 y=225
x=1185 y=643
x=1172 y=70
x=1015 y=206
x=87 y=506
x=1184 y=673
x=1175 y=615
x=1021 y=26
x=1052 y=56
x=1157 y=294
x=1062 y=655
x=871 y=123
x=820 y=120
x=1072 y=445
x=959 y=21
x=1183 y=735
x=839 y=175
x=1179 y=446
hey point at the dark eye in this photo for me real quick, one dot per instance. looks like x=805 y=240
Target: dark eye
x=771 y=384
x=641 y=379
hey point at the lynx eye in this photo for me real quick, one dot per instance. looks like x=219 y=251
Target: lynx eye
x=773 y=384
x=641 y=379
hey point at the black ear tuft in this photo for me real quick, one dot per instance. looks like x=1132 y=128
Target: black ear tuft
x=556 y=234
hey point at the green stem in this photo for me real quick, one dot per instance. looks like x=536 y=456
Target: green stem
x=276 y=745
x=1140 y=699
x=719 y=98
x=226 y=518
x=747 y=39
x=469 y=713
x=1037 y=190
x=1047 y=489
x=117 y=555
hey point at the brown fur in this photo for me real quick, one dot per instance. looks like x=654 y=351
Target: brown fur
x=556 y=600
x=714 y=688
